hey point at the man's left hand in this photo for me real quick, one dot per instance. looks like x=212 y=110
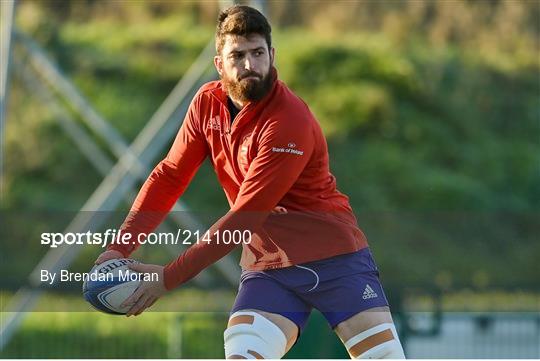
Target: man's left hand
x=148 y=291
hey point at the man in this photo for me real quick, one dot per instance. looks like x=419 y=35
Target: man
x=271 y=158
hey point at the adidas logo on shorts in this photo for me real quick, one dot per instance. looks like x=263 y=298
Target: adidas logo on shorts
x=369 y=293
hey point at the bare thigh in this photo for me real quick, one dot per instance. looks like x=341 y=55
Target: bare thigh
x=363 y=321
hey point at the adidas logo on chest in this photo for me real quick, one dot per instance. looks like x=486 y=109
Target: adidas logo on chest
x=214 y=123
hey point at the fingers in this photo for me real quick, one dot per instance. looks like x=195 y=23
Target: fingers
x=140 y=300
x=108 y=255
x=152 y=303
x=133 y=298
x=102 y=258
x=138 y=307
x=143 y=303
x=147 y=293
x=139 y=267
x=149 y=302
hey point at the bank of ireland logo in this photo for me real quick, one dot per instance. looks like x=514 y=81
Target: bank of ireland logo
x=290 y=149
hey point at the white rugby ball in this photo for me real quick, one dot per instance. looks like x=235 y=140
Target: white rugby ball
x=109 y=284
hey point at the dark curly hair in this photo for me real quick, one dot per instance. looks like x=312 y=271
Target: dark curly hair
x=241 y=20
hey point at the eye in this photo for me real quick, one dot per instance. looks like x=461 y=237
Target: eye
x=259 y=53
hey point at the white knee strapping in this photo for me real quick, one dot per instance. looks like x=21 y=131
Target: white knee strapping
x=379 y=342
x=261 y=337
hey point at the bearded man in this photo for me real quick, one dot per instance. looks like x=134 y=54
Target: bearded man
x=271 y=158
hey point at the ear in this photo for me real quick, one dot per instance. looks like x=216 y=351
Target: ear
x=218 y=63
x=272 y=55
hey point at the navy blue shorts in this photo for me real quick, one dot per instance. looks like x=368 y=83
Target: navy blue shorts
x=339 y=287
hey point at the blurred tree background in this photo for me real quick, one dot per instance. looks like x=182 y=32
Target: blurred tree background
x=432 y=114
x=431 y=109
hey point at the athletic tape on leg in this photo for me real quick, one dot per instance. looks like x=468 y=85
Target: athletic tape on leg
x=379 y=342
x=261 y=337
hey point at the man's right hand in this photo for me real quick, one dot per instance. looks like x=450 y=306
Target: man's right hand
x=107 y=255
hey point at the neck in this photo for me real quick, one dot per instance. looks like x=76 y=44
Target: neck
x=237 y=103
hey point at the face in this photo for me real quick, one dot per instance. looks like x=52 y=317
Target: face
x=244 y=67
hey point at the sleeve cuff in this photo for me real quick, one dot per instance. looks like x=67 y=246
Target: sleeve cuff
x=170 y=275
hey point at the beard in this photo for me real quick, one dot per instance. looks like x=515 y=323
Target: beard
x=248 y=90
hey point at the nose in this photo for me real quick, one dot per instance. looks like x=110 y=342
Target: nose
x=248 y=63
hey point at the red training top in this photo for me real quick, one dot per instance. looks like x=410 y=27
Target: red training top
x=274 y=154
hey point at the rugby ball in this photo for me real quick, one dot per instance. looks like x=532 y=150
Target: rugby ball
x=109 y=284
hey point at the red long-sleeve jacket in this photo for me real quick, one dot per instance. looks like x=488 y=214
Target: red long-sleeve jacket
x=273 y=154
